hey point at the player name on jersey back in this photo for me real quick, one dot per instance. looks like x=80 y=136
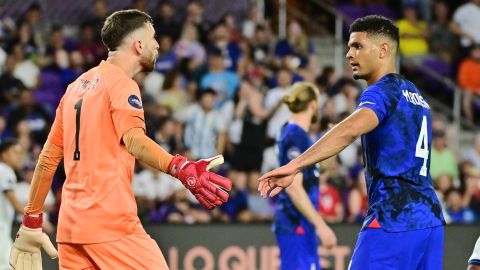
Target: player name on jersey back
x=415 y=99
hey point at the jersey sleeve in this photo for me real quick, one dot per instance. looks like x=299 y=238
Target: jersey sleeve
x=56 y=132
x=126 y=106
x=378 y=101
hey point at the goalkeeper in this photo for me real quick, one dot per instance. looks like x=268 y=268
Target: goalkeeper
x=99 y=130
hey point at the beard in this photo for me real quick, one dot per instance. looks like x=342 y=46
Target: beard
x=148 y=65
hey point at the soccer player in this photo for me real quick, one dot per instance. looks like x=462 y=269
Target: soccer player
x=404 y=225
x=99 y=130
x=11 y=158
x=297 y=223
x=474 y=261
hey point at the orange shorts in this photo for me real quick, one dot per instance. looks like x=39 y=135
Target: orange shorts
x=139 y=252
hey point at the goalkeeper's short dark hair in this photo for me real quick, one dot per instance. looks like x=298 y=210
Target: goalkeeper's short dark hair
x=121 y=23
x=376 y=25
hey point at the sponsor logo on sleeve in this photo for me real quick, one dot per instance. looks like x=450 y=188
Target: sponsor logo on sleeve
x=135 y=102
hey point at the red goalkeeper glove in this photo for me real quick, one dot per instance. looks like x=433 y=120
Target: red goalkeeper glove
x=25 y=253
x=209 y=188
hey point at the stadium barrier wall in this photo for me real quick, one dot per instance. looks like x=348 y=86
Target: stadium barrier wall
x=252 y=246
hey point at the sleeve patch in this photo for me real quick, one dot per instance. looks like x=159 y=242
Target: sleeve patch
x=135 y=102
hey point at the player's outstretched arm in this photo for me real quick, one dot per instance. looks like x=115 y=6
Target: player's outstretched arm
x=210 y=189
x=25 y=253
x=302 y=202
x=340 y=136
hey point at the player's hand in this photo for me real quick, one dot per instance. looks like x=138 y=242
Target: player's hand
x=327 y=236
x=210 y=189
x=25 y=253
x=274 y=181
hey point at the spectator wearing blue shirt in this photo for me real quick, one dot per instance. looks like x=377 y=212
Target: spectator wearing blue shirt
x=296 y=45
x=166 y=59
x=224 y=82
x=221 y=39
x=456 y=210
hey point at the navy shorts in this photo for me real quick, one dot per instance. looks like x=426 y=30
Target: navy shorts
x=377 y=249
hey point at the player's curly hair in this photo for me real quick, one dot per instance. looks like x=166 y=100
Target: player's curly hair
x=376 y=25
x=121 y=23
x=301 y=95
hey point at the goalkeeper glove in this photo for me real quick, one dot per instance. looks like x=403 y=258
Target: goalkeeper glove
x=209 y=189
x=25 y=253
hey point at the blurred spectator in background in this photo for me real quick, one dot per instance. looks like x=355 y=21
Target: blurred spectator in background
x=414 y=32
x=296 y=46
x=166 y=60
x=25 y=69
x=173 y=95
x=100 y=13
x=443 y=41
x=164 y=23
x=224 y=82
x=465 y=24
x=205 y=128
x=221 y=39
x=251 y=23
x=457 y=212
x=273 y=103
x=35 y=116
x=260 y=209
x=442 y=157
x=90 y=47
x=189 y=47
x=248 y=149
x=329 y=203
x=194 y=15
x=469 y=81
x=473 y=154
x=357 y=203
x=7 y=26
x=10 y=86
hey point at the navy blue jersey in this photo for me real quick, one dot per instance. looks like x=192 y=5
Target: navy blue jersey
x=293 y=141
x=397 y=157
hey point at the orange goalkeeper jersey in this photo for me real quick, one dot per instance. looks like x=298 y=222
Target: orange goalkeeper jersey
x=98 y=204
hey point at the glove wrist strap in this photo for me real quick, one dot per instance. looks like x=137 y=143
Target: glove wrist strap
x=175 y=165
x=32 y=222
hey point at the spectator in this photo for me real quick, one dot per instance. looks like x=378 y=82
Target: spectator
x=10 y=86
x=457 y=212
x=259 y=207
x=296 y=46
x=357 y=200
x=221 y=39
x=443 y=42
x=34 y=115
x=224 y=82
x=250 y=25
x=414 y=33
x=7 y=26
x=204 y=127
x=100 y=13
x=194 y=15
x=273 y=103
x=91 y=48
x=329 y=203
x=173 y=95
x=25 y=70
x=473 y=154
x=466 y=20
x=469 y=81
x=164 y=22
x=166 y=60
x=189 y=47
x=442 y=158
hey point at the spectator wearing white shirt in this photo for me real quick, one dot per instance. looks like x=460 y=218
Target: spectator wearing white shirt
x=473 y=154
x=273 y=103
x=466 y=20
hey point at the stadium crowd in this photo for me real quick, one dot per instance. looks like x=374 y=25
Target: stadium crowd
x=217 y=88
